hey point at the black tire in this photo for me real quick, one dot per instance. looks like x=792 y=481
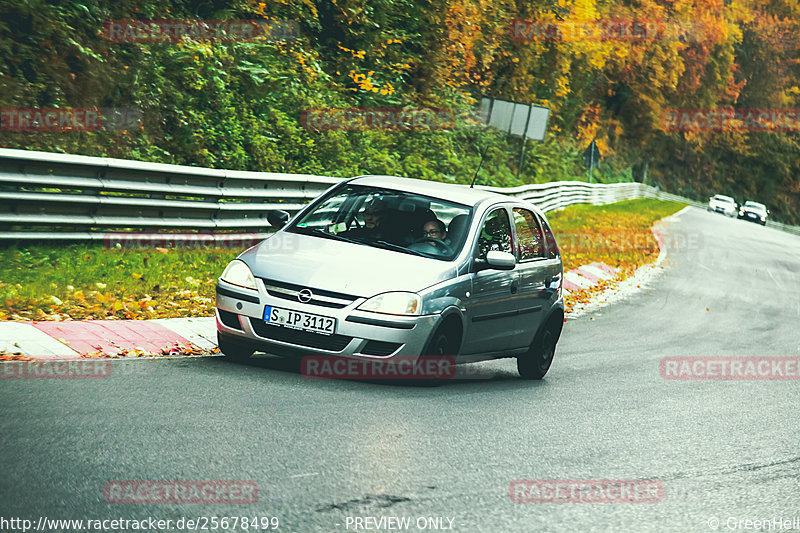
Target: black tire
x=443 y=341
x=233 y=349
x=535 y=363
x=442 y=344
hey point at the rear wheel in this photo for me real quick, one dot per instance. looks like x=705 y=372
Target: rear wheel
x=233 y=349
x=535 y=363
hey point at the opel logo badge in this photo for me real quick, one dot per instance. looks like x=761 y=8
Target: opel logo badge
x=305 y=295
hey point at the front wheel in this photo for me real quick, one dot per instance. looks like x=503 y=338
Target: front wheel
x=440 y=344
x=233 y=349
x=535 y=363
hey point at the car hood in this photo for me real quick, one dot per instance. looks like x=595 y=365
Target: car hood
x=360 y=270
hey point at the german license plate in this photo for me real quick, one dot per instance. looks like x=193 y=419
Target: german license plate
x=299 y=320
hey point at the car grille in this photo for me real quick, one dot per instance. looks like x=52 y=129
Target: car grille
x=320 y=297
x=308 y=339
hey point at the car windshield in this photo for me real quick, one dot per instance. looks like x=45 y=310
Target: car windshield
x=755 y=206
x=394 y=220
x=726 y=199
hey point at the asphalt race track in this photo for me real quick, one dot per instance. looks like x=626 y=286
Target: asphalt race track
x=324 y=452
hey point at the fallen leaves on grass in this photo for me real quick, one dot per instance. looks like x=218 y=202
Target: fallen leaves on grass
x=88 y=281
x=175 y=349
x=109 y=305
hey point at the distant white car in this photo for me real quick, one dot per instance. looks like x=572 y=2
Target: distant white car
x=719 y=203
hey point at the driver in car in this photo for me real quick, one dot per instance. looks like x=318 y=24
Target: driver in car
x=434 y=229
x=433 y=239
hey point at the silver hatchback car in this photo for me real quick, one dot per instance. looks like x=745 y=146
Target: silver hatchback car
x=381 y=267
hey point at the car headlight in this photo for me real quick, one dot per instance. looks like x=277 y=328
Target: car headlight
x=393 y=303
x=237 y=273
x=763 y=218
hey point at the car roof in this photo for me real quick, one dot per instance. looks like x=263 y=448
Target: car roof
x=722 y=197
x=461 y=194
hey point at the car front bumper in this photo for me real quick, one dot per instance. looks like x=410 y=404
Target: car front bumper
x=358 y=334
x=723 y=210
x=752 y=217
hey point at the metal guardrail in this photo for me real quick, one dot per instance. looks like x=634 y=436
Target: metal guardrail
x=784 y=227
x=48 y=196
x=58 y=196
x=558 y=194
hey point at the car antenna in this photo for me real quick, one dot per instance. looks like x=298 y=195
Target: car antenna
x=483 y=154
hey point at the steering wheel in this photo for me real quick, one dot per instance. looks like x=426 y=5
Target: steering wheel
x=440 y=245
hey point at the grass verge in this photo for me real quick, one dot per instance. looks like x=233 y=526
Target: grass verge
x=615 y=234
x=88 y=281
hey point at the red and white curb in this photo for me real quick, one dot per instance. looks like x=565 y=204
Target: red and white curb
x=50 y=340
x=587 y=276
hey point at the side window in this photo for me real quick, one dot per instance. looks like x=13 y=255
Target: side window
x=529 y=235
x=495 y=234
x=549 y=241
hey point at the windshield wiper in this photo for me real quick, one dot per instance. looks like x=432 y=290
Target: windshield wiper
x=324 y=234
x=378 y=244
x=393 y=246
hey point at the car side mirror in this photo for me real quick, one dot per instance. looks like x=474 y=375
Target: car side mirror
x=277 y=218
x=501 y=260
x=497 y=260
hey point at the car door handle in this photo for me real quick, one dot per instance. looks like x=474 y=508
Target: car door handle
x=514 y=286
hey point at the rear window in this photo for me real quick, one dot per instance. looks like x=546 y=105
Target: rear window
x=550 y=245
x=529 y=235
